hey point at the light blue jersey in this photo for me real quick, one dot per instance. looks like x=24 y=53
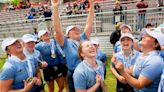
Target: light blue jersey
x=18 y=70
x=161 y=84
x=151 y=67
x=101 y=56
x=46 y=50
x=85 y=76
x=70 y=48
x=127 y=61
x=35 y=55
x=117 y=47
x=162 y=53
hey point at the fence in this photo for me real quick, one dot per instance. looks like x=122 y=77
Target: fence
x=103 y=23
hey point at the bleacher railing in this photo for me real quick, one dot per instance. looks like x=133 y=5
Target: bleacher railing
x=103 y=20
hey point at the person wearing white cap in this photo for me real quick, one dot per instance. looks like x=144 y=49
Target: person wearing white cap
x=124 y=29
x=31 y=53
x=51 y=53
x=149 y=65
x=70 y=43
x=128 y=57
x=19 y=72
x=100 y=54
x=89 y=74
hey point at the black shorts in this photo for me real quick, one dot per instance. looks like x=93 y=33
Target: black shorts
x=51 y=73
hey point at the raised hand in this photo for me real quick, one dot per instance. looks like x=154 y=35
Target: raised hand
x=54 y=2
x=119 y=66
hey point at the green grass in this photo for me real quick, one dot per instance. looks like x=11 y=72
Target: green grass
x=110 y=79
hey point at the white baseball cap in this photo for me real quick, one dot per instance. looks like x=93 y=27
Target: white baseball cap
x=129 y=35
x=69 y=28
x=7 y=42
x=95 y=41
x=28 y=38
x=125 y=25
x=42 y=32
x=156 y=33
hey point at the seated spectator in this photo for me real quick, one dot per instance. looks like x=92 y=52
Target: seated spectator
x=69 y=9
x=11 y=7
x=47 y=13
x=82 y=8
x=75 y=8
x=29 y=15
x=28 y=4
x=33 y=11
x=97 y=8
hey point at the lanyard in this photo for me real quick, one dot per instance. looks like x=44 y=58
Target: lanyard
x=76 y=44
x=29 y=69
x=53 y=49
x=127 y=61
x=60 y=50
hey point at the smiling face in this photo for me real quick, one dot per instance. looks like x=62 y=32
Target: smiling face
x=45 y=37
x=74 y=34
x=14 y=48
x=126 y=43
x=30 y=46
x=87 y=50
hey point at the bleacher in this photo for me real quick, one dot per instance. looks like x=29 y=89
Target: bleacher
x=14 y=23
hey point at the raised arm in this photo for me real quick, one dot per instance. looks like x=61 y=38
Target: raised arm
x=89 y=23
x=56 y=22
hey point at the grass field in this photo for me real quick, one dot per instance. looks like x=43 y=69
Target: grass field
x=110 y=80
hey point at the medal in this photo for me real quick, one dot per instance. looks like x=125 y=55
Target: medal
x=29 y=79
x=53 y=55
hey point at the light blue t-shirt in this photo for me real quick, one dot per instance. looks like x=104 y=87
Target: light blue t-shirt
x=127 y=61
x=161 y=84
x=101 y=56
x=150 y=66
x=70 y=48
x=85 y=76
x=17 y=70
x=46 y=52
x=35 y=55
x=117 y=47
x=162 y=53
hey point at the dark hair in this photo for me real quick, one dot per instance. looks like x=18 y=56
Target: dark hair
x=158 y=47
x=148 y=25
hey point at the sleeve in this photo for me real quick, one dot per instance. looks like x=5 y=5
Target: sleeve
x=112 y=38
x=8 y=72
x=83 y=37
x=80 y=81
x=65 y=43
x=104 y=58
x=153 y=68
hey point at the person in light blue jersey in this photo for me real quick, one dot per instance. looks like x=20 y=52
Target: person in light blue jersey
x=19 y=73
x=89 y=74
x=31 y=53
x=100 y=54
x=148 y=67
x=124 y=29
x=49 y=52
x=128 y=57
x=70 y=43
